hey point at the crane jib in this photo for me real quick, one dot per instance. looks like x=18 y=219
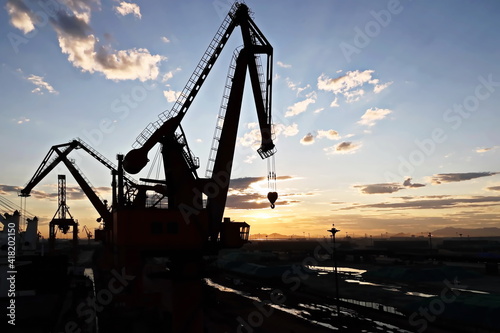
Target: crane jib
x=254 y=41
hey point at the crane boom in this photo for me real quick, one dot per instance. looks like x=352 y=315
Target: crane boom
x=59 y=153
x=169 y=122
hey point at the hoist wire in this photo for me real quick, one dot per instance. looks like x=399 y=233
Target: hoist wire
x=155 y=163
x=271 y=174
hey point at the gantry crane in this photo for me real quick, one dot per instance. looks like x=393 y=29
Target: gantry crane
x=63 y=220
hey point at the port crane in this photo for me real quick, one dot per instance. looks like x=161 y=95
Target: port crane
x=88 y=233
x=186 y=222
x=192 y=227
x=63 y=220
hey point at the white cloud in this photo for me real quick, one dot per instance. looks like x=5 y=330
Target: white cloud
x=77 y=39
x=299 y=107
x=171 y=95
x=22 y=120
x=346 y=147
x=329 y=134
x=354 y=96
x=308 y=139
x=41 y=85
x=126 y=8
x=130 y=64
x=335 y=103
x=379 y=87
x=20 y=16
x=250 y=158
x=350 y=85
x=165 y=39
x=290 y=84
x=350 y=80
x=318 y=110
x=290 y=130
x=253 y=137
x=283 y=65
x=301 y=89
x=372 y=115
x=167 y=76
x=486 y=149
x=295 y=86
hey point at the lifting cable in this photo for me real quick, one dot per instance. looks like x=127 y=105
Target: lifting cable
x=272 y=195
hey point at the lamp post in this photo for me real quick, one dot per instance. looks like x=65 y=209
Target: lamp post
x=333 y=230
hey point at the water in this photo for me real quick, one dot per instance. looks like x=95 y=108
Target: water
x=324 y=314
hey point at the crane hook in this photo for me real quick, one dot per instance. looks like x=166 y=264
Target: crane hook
x=272 y=196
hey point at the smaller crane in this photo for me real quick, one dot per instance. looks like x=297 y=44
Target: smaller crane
x=60 y=220
x=87 y=231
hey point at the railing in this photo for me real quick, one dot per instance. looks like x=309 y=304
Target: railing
x=222 y=113
x=197 y=78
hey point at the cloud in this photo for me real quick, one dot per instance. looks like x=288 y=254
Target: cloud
x=247 y=193
x=21 y=16
x=346 y=147
x=165 y=39
x=494 y=188
x=283 y=65
x=458 y=177
x=250 y=139
x=354 y=96
x=22 y=120
x=295 y=87
x=240 y=184
x=379 y=87
x=286 y=130
x=71 y=22
x=387 y=187
x=484 y=150
x=41 y=85
x=379 y=188
x=126 y=8
x=408 y=183
x=299 y=107
x=167 y=76
x=372 y=115
x=308 y=139
x=72 y=192
x=350 y=85
x=171 y=95
x=443 y=203
x=329 y=134
x=6 y=189
x=250 y=158
x=344 y=83
x=335 y=103
x=253 y=137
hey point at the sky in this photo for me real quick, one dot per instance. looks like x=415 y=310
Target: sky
x=386 y=112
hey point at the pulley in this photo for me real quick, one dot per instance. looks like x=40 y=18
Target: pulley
x=272 y=196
